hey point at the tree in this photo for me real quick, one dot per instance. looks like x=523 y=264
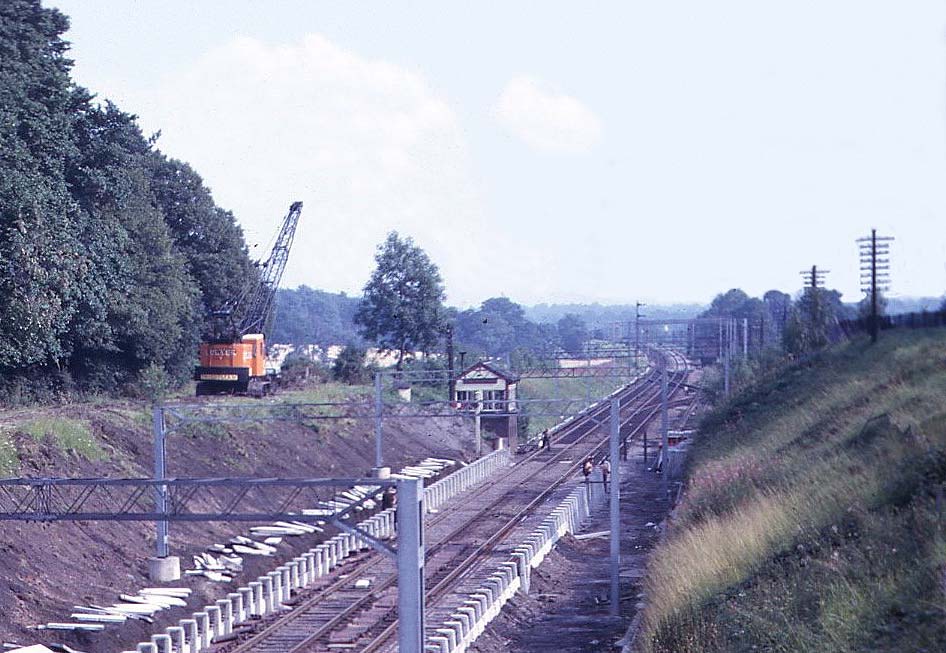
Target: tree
x=572 y=333
x=308 y=316
x=349 y=367
x=108 y=248
x=44 y=265
x=402 y=307
x=864 y=306
x=208 y=237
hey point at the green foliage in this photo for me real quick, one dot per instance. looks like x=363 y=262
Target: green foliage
x=300 y=370
x=109 y=249
x=208 y=237
x=402 y=308
x=572 y=333
x=864 y=306
x=498 y=328
x=306 y=316
x=9 y=460
x=69 y=435
x=153 y=383
x=350 y=367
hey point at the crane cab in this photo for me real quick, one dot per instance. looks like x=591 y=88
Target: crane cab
x=233 y=367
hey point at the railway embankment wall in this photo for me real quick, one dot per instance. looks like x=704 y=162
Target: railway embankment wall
x=45 y=569
x=813 y=512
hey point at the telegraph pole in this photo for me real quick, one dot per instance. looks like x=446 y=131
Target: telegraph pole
x=875 y=274
x=815 y=278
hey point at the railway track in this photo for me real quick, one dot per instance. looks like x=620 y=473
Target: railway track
x=340 y=617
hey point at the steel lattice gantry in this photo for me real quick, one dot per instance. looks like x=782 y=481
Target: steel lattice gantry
x=237 y=499
x=186 y=499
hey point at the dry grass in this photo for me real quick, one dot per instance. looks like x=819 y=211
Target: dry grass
x=760 y=556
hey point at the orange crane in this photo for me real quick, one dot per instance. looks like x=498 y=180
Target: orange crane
x=233 y=357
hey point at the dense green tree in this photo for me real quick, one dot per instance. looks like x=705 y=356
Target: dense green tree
x=209 y=237
x=350 y=367
x=499 y=327
x=402 y=307
x=572 y=333
x=44 y=266
x=108 y=249
x=308 y=316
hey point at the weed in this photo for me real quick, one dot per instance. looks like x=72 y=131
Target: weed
x=69 y=435
x=813 y=518
x=9 y=462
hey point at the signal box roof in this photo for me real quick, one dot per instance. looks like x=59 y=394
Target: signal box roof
x=483 y=369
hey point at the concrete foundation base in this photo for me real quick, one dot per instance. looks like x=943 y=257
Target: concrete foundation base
x=164 y=570
x=381 y=472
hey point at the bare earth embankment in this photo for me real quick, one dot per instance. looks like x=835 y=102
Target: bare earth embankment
x=47 y=568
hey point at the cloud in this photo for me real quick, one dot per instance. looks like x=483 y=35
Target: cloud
x=546 y=119
x=368 y=145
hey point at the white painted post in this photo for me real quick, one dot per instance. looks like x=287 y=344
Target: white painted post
x=239 y=611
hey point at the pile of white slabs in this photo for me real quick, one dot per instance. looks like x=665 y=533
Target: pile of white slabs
x=142 y=607
x=223 y=562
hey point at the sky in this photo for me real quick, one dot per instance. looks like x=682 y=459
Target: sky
x=550 y=151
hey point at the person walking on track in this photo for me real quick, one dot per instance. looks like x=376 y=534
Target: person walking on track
x=605 y=472
x=586 y=468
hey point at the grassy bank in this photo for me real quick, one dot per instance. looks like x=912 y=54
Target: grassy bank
x=565 y=396
x=813 y=514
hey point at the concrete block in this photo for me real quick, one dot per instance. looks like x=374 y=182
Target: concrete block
x=237 y=603
x=164 y=570
x=162 y=643
x=216 y=620
x=204 y=629
x=257 y=605
x=193 y=635
x=176 y=633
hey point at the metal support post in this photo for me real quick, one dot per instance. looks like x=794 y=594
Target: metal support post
x=410 y=566
x=726 y=354
x=378 y=417
x=664 y=418
x=478 y=425
x=720 y=340
x=615 y=506
x=160 y=473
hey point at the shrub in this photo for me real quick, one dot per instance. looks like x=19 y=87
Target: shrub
x=349 y=367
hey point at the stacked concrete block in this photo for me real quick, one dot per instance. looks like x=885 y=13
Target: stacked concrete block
x=268 y=593
x=450 y=486
x=467 y=623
